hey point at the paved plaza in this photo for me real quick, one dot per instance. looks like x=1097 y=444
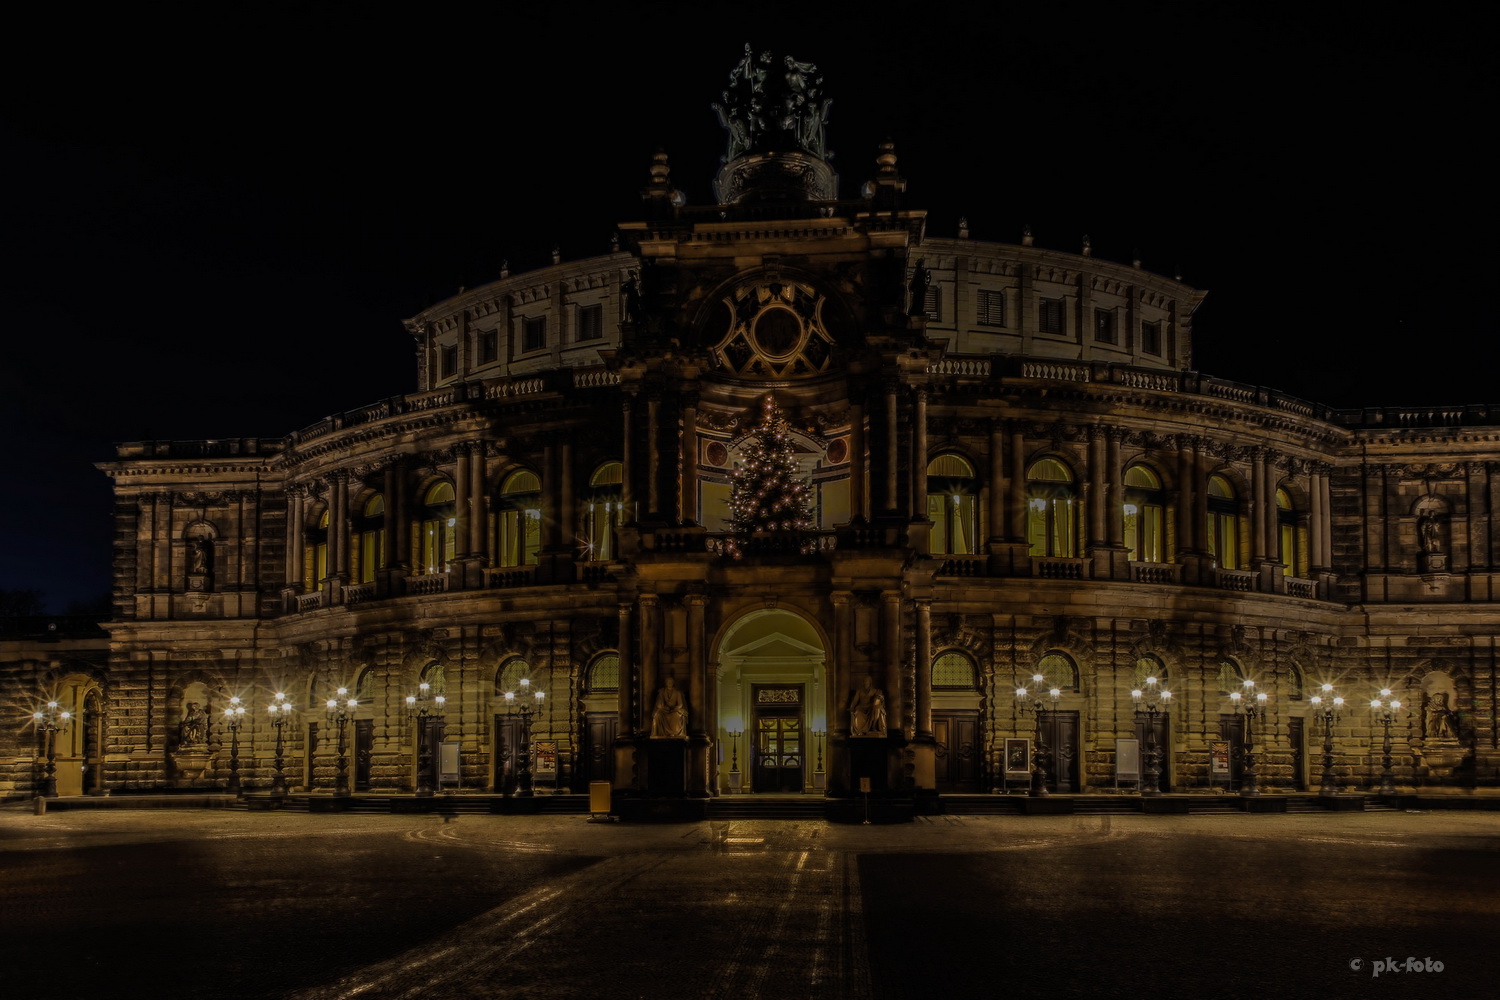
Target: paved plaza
x=213 y=904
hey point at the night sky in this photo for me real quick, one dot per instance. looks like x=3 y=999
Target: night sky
x=216 y=216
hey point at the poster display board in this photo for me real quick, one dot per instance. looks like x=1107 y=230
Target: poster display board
x=1218 y=762
x=448 y=764
x=1017 y=759
x=544 y=760
x=1127 y=760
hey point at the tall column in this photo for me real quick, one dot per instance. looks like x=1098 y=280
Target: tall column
x=1097 y=499
x=551 y=529
x=1017 y=490
x=476 y=499
x=857 y=461
x=924 y=667
x=624 y=725
x=401 y=554
x=653 y=457
x=338 y=525
x=567 y=501
x=1323 y=524
x=890 y=608
x=1270 y=512
x=838 y=671
x=919 y=456
x=997 y=489
x=1115 y=513
x=697 y=638
x=1258 y=506
x=650 y=656
x=1187 y=540
x=688 y=512
x=626 y=465
x=294 y=535
x=892 y=496
x=388 y=520
x=1200 y=491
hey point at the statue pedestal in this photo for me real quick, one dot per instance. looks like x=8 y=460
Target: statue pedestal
x=666 y=767
x=189 y=766
x=1439 y=762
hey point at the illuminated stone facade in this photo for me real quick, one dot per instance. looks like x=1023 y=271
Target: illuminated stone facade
x=1017 y=470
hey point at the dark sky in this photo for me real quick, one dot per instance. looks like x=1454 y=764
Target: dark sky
x=216 y=216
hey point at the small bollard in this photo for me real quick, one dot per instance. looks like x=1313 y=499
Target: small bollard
x=41 y=805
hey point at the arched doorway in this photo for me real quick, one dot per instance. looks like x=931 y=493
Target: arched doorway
x=772 y=704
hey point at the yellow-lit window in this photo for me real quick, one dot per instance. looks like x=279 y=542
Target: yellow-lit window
x=369 y=540
x=1292 y=534
x=1223 y=523
x=437 y=535
x=603 y=512
x=954 y=671
x=520 y=518
x=952 y=489
x=1145 y=515
x=315 y=561
x=1051 y=515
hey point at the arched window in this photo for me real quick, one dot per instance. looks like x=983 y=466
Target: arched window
x=1295 y=680
x=1223 y=523
x=952 y=490
x=1058 y=671
x=369 y=539
x=1150 y=666
x=315 y=558
x=438 y=536
x=1050 y=515
x=603 y=512
x=434 y=675
x=520 y=518
x=364 y=687
x=1145 y=515
x=1231 y=677
x=1292 y=534
x=511 y=674
x=954 y=671
x=604 y=673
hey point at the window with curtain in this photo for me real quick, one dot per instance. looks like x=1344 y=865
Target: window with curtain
x=1051 y=515
x=603 y=512
x=438 y=535
x=1145 y=515
x=520 y=511
x=952 y=489
x=315 y=550
x=1223 y=523
x=369 y=539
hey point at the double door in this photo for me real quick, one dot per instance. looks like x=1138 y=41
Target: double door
x=778 y=753
x=1060 y=731
x=956 y=734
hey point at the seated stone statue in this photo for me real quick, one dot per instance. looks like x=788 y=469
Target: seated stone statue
x=867 y=709
x=669 y=716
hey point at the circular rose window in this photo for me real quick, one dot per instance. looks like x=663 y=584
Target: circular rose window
x=777 y=332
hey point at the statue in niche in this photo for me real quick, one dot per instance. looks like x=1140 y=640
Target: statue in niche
x=1440 y=717
x=867 y=709
x=193 y=731
x=1429 y=534
x=201 y=557
x=669 y=716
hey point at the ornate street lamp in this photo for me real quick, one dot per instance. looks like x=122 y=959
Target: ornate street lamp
x=281 y=713
x=340 y=708
x=1251 y=702
x=1154 y=700
x=1385 y=708
x=50 y=721
x=234 y=717
x=1327 y=704
x=423 y=708
x=1038 y=697
x=524 y=708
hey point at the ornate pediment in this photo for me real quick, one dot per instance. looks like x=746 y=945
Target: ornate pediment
x=775 y=331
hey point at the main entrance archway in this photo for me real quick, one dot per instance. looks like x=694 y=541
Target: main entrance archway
x=772 y=704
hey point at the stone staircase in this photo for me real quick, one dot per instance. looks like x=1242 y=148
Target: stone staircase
x=805 y=807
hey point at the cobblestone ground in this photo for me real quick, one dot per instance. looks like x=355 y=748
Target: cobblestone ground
x=186 y=904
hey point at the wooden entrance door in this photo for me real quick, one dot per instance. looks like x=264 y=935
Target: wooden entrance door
x=507 y=748
x=1061 y=732
x=364 y=753
x=1142 y=720
x=1298 y=737
x=1232 y=729
x=777 y=751
x=957 y=751
x=599 y=748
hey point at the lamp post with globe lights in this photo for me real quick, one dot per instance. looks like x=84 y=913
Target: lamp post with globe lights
x=1327 y=704
x=1385 y=708
x=234 y=717
x=50 y=721
x=424 y=708
x=1037 y=697
x=339 y=709
x=1252 y=703
x=524 y=708
x=280 y=711
x=1154 y=700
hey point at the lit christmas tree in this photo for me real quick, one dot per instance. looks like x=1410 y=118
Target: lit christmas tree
x=767 y=491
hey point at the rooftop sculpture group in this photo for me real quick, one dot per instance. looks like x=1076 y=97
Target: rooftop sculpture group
x=770 y=108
